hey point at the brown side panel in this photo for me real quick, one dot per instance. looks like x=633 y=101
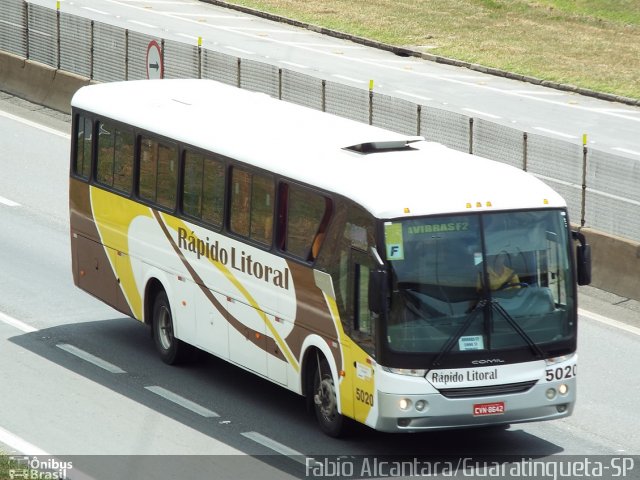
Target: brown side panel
x=92 y=270
x=312 y=314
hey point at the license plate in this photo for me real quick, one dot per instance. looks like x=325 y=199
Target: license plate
x=480 y=409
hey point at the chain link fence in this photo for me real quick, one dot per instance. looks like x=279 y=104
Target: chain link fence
x=601 y=189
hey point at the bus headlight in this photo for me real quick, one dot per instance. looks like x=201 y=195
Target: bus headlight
x=563 y=389
x=551 y=393
x=406 y=371
x=421 y=405
x=404 y=404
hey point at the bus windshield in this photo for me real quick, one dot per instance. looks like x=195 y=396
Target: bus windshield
x=480 y=282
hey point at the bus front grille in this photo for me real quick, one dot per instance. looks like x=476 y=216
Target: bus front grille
x=487 y=391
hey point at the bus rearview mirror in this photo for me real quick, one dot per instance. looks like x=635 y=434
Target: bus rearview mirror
x=378 y=290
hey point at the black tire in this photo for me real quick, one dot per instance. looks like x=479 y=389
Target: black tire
x=325 y=402
x=171 y=350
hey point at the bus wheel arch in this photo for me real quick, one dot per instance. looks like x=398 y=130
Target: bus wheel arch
x=159 y=315
x=321 y=389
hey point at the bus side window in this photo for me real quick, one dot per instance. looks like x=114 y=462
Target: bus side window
x=252 y=205
x=348 y=238
x=115 y=157
x=203 y=189
x=362 y=324
x=307 y=217
x=158 y=172
x=83 y=144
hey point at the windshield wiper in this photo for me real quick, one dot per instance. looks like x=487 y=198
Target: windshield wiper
x=474 y=313
x=454 y=338
x=510 y=320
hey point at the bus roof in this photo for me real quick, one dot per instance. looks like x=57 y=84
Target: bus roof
x=390 y=174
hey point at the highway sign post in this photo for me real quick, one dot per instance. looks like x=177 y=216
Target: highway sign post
x=155 y=67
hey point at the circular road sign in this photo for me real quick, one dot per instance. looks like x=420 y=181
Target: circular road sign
x=155 y=68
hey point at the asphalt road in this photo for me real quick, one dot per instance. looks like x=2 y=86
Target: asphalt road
x=610 y=127
x=76 y=378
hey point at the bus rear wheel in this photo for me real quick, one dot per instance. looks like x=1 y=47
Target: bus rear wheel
x=325 y=401
x=171 y=349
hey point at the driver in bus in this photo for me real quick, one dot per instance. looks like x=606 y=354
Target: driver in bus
x=500 y=275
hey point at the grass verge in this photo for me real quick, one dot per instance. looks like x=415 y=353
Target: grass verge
x=593 y=44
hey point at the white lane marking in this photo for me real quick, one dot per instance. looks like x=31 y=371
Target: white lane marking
x=292 y=64
x=276 y=446
x=484 y=114
x=258 y=29
x=349 y=79
x=413 y=95
x=626 y=150
x=29 y=123
x=142 y=24
x=206 y=15
x=20 y=444
x=185 y=35
x=613 y=196
x=240 y=50
x=8 y=203
x=19 y=25
x=19 y=324
x=394 y=68
x=183 y=402
x=86 y=356
x=591 y=190
x=609 y=321
x=95 y=10
x=326 y=45
x=161 y=2
x=538 y=92
x=554 y=132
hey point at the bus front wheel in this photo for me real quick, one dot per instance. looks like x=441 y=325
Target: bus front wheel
x=171 y=349
x=325 y=401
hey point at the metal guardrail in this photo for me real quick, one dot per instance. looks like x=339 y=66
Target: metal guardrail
x=601 y=188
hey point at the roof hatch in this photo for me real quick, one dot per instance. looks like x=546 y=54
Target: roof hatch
x=385 y=146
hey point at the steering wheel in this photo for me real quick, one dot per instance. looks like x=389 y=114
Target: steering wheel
x=512 y=285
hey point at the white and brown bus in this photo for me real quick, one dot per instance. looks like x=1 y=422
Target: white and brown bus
x=385 y=278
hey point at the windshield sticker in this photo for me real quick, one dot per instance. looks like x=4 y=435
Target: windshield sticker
x=438 y=228
x=474 y=342
x=394 y=241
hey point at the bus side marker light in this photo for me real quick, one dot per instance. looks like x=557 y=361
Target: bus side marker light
x=469 y=205
x=545 y=201
x=82 y=273
x=407 y=210
x=342 y=373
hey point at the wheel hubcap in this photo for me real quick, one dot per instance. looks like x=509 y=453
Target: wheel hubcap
x=165 y=327
x=325 y=399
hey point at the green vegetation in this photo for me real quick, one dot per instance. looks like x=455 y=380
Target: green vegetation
x=593 y=44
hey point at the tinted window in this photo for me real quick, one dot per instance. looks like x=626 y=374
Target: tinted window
x=84 y=135
x=203 y=193
x=307 y=214
x=115 y=157
x=252 y=205
x=158 y=172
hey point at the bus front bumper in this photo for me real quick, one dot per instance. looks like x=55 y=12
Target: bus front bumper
x=412 y=413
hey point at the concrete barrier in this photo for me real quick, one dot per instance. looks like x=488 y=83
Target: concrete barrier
x=38 y=83
x=616 y=261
